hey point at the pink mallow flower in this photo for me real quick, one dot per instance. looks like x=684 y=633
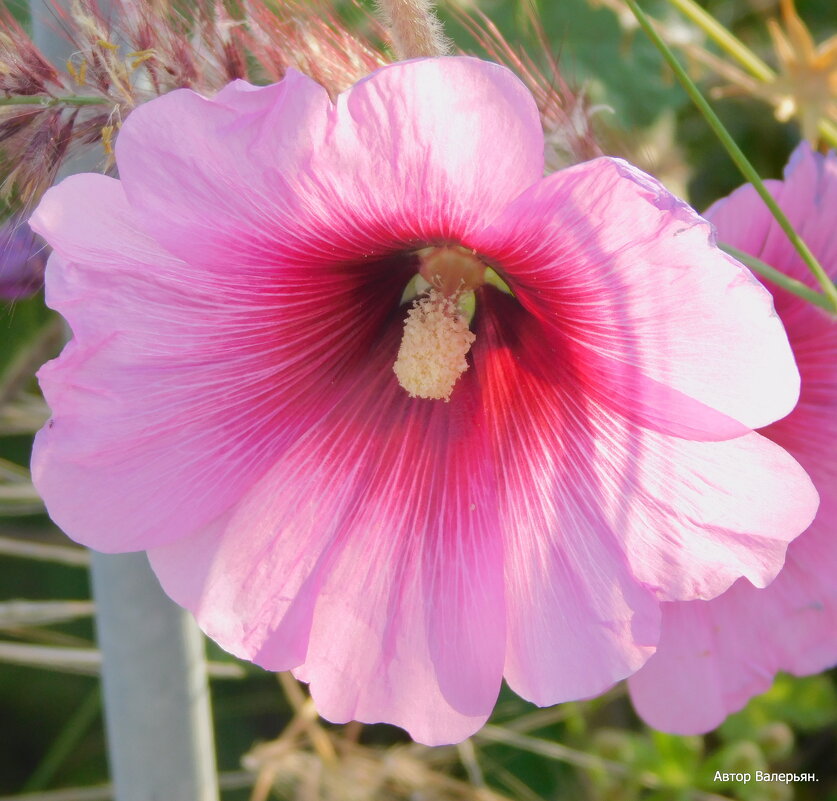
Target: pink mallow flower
x=390 y=409
x=715 y=655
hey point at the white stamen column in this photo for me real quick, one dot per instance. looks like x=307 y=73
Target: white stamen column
x=158 y=716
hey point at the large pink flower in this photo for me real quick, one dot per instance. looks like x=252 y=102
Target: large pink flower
x=715 y=655
x=229 y=401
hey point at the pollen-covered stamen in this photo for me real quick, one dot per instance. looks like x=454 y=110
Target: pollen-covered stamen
x=436 y=336
x=433 y=348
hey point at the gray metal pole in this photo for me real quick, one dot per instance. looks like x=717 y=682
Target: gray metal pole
x=158 y=715
x=157 y=710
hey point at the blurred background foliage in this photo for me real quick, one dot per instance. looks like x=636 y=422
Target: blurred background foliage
x=50 y=717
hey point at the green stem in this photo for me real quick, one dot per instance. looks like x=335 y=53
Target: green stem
x=725 y=39
x=74 y=730
x=734 y=47
x=40 y=100
x=779 y=278
x=828 y=131
x=737 y=155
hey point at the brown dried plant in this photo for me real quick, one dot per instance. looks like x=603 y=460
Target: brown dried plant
x=312 y=762
x=566 y=115
x=47 y=114
x=140 y=49
x=314 y=41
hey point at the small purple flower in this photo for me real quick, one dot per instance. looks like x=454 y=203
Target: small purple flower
x=23 y=256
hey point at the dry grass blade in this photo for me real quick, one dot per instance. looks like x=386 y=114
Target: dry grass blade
x=40 y=552
x=43 y=635
x=294 y=766
x=17 y=495
x=309 y=37
x=520 y=791
x=13 y=472
x=24 y=415
x=14 y=614
x=468 y=758
x=232 y=780
x=535 y=745
x=45 y=344
x=86 y=661
x=19 y=492
x=360 y=774
x=24 y=70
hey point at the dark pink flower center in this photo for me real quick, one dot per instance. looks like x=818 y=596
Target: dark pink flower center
x=437 y=337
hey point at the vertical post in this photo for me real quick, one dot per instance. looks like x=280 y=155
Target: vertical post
x=157 y=710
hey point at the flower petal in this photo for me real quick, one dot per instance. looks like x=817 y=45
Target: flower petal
x=715 y=655
x=436 y=133
x=370 y=557
x=691 y=517
x=416 y=151
x=663 y=326
x=578 y=620
x=725 y=510
x=185 y=160
x=807 y=195
x=181 y=386
x=121 y=432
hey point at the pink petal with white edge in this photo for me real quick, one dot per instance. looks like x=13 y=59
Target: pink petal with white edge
x=417 y=151
x=666 y=328
x=181 y=386
x=713 y=657
x=694 y=516
x=370 y=557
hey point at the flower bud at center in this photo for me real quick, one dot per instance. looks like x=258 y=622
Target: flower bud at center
x=451 y=269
